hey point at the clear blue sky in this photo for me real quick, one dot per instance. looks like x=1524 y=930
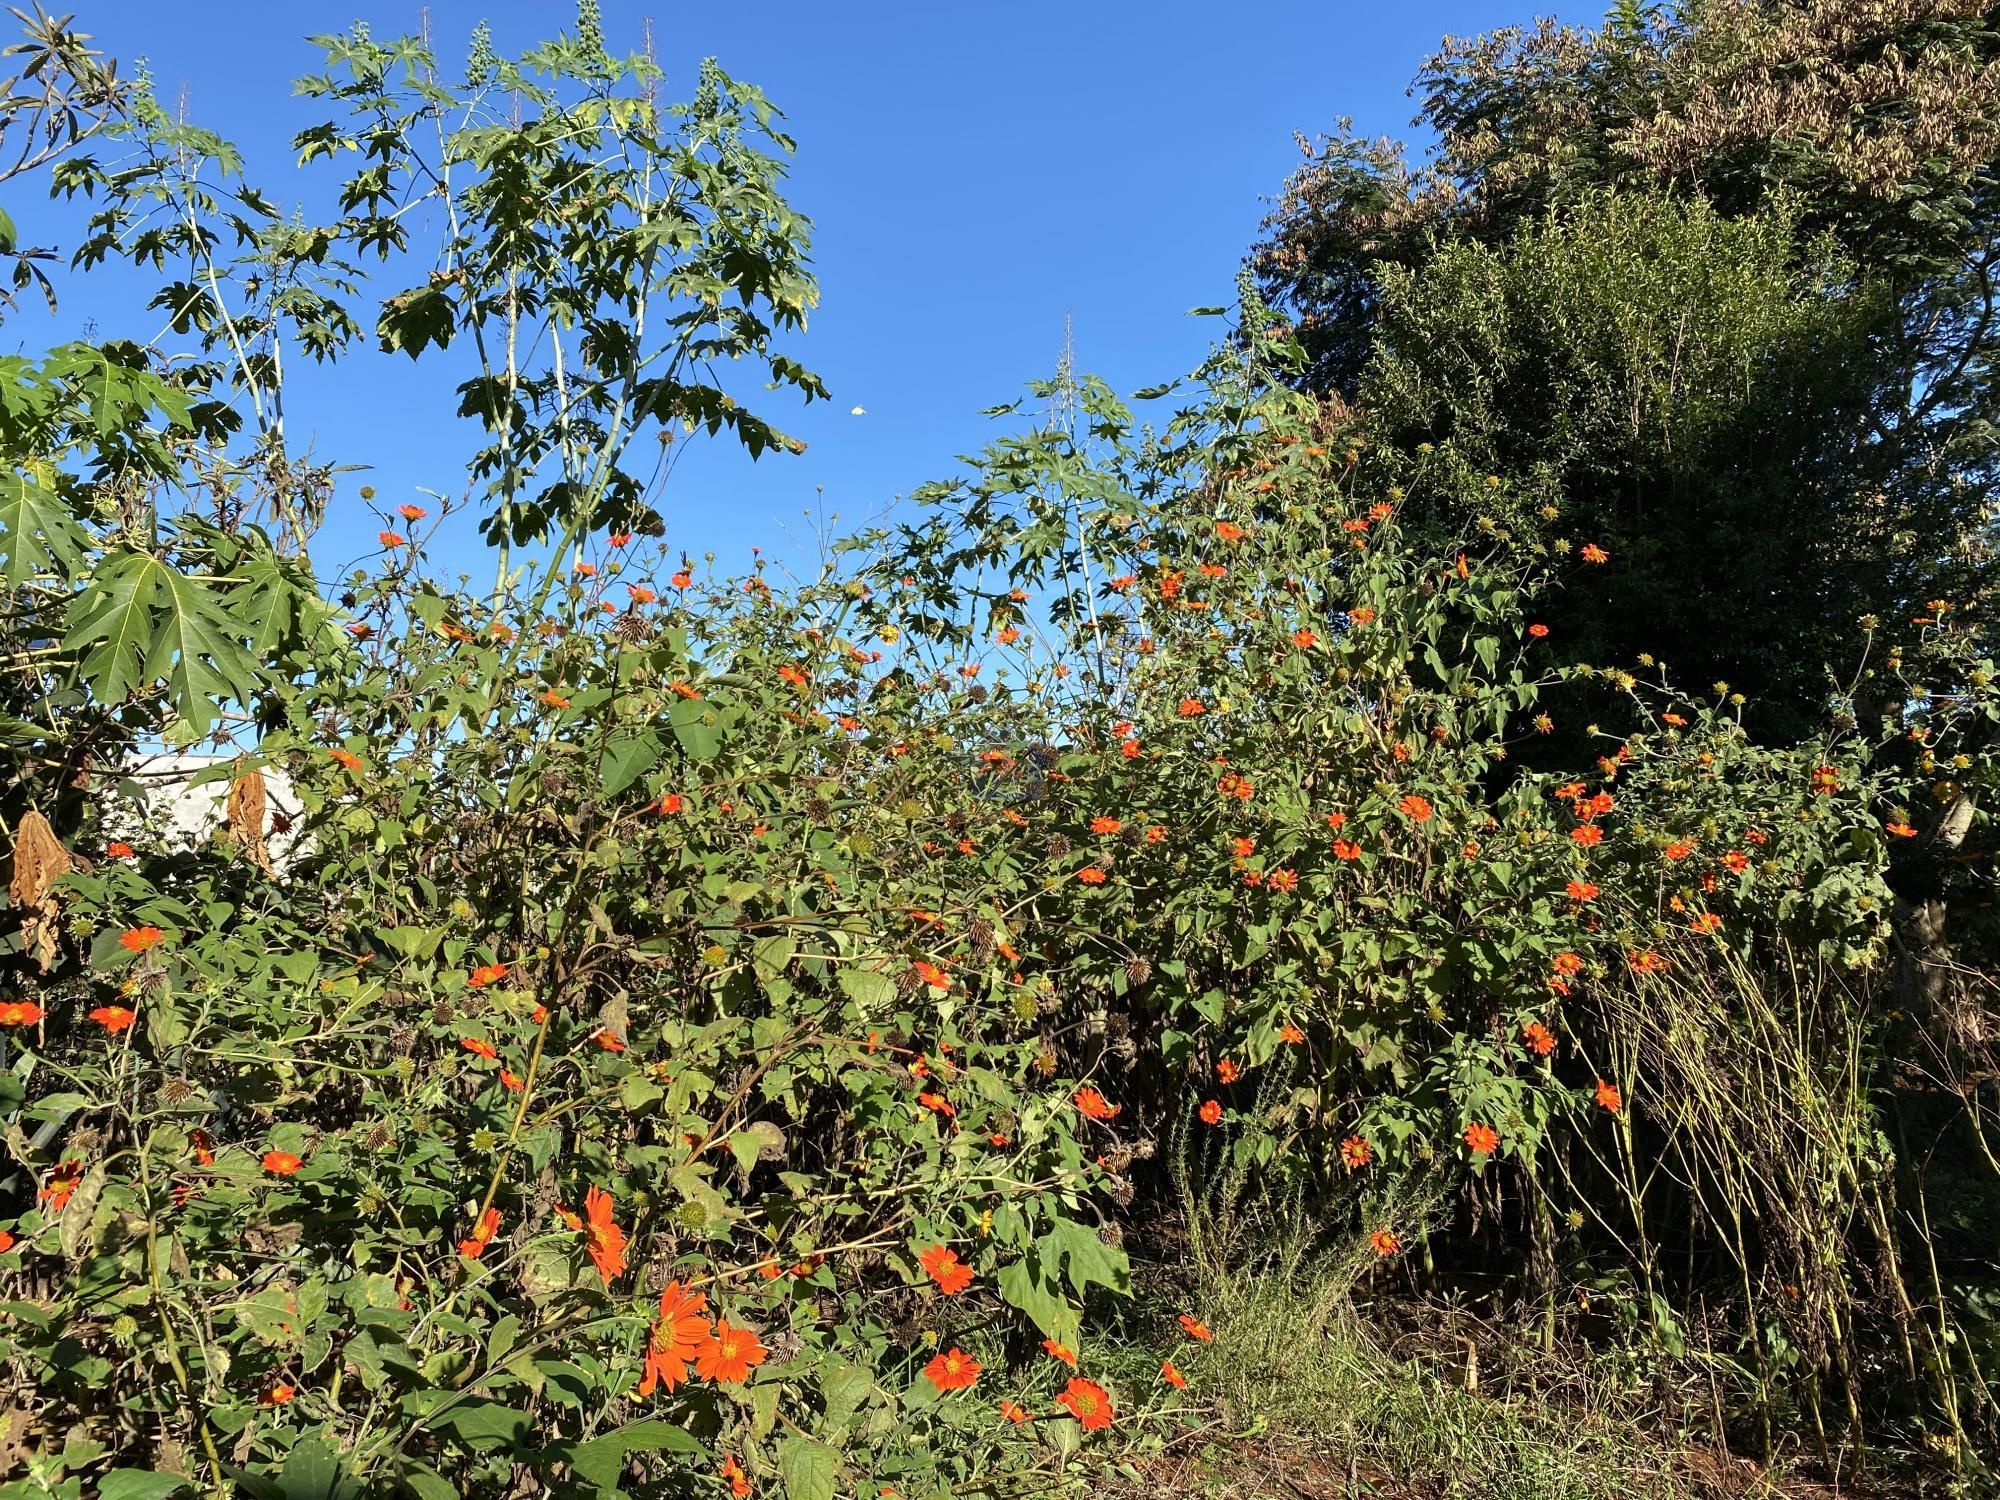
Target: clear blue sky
x=977 y=175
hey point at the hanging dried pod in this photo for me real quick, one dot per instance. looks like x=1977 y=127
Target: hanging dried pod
x=39 y=862
x=245 y=818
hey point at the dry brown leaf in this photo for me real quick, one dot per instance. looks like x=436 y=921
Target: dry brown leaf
x=39 y=862
x=246 y=817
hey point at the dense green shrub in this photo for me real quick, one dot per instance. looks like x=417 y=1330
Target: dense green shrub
x=710 y=1033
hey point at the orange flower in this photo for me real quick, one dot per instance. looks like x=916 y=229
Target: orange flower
x=554 y=699
x=1101 y=824
x=277 y=1394
x=1156 y=834
x=486 y=974
x=1227 y=1071
x=739 y=1482
x=953 y=1371
x=139 y=939
x=1346 y=849
x=1172 y=1376
x=931 y=974
x=1229 y=531
x=1900 y=827
x=1538 y=631
x=1680 y=849
x=676 y=1338
x=1737 y=861
x=1589 y=835
x=1092 y=1105
x=1481 y=1140
x=1305 y=640
x=1090 y=875
x=113 y=1018
x=389 y=539
x=1418 y=809
x=602 y=1237
x=1015 y=1412
x=1088 y=1402
x=608 y=1040
x=1210 y=1112
x=1541 y=1041
x=117 y=850
x=1362 y=616
x=6 y=1240
x=1008 y=636
x=1825 y=780
x=1060 y=1351
x=20 y=1013
x=1195 y=1329
x=640 y=594
x=1242 y=848
x=727 y=1354
x=411 y=512
x=474 y=1245
x=1708 y=921
x=478 y=1047
x=1384 y=1243
x=1130 y=749
x=61 y=1185
x=511 y=1081
x=1645 y=961
x=1580 y=891
x=346 y=758
x=1608 y=1097
x=1592 y=553
x=1290 y=1034
x=281 y=1163
x=951 y=1274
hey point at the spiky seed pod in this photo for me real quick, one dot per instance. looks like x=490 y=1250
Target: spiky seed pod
x=979 y=938
x=403 y=1039
x=441 y=1013
x=1057 y=846
x=1138 y=969
x=378 y=1137
x=176 y=1091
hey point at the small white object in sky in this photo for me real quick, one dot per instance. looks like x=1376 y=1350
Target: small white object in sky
x=857 y=412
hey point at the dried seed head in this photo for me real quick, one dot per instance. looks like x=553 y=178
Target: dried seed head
x=1138 y=969
x=1057 y=846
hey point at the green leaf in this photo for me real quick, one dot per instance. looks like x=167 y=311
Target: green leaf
x=38 y=535
x=807 y=1467
x=869 y=990
x=312 y=1472
x=1086 y=1258
x=139 y=1484
x=1023 y=1287
x=484 y=1424
x=627 y=758
x=600 y=1460
x=429 y=1484
x=696 y=727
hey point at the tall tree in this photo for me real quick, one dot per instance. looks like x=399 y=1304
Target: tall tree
x=1866 y=131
